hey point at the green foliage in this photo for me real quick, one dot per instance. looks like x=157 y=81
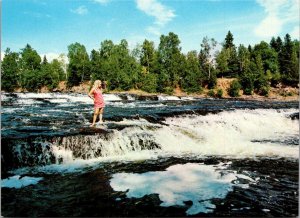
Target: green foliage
x=234 y=88
x=116 y=65
x=148 y=57
x=264 y=91
x=27 y=71
x=247 y=83
x=31 y=80
x=229 y=41
x=243 y=59
x=286 y=94
x=30 y=59
x=222 y=58
x=57 y=70
x=219 y=93
x=276 y=44
x=192 y=77
x=159 y=69
x=149 y=83
x=227 y=60
x=289 y=61
x=269 y=57
x=79 y=64
x=262 y=85
x=211 y=93
x=49 y=75
x=168 y=90
x=170 y=61
x=212 y=81
x=275 y=79
x=10 y=71
x=205 y=57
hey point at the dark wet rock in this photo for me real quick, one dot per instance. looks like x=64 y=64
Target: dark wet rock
x=294 y=116
x=57 y=91
x=286 y=141
x=9 y=95
x=123 y=96
x=155 y=119
x=43 y=100
x=147 y=97
x=93 y=130
x=211 y=161
x=119 y=127
x=33 y=129
x=31 y=151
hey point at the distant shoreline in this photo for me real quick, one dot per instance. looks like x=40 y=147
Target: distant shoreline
x=275 y=94
x=142 y=93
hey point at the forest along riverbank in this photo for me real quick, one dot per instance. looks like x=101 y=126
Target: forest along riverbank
x=54 y=165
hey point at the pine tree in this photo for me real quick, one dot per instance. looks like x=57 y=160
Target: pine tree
x=288 y=60
x=229 y=41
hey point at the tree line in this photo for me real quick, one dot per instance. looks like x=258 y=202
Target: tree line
x=256 y=68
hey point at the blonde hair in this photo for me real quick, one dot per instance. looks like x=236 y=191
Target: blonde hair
x=97 y=83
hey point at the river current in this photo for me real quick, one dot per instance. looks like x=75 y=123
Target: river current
x=153 y=156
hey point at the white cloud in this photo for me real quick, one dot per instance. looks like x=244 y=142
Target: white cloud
x=295 y=33
x=278 y=14
x=2 y=55
x=51 y=56
x=154 y=30
x=81 y=10
x=155 y=9
x=270 y=26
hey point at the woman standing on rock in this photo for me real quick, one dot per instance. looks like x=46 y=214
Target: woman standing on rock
x=96 y=95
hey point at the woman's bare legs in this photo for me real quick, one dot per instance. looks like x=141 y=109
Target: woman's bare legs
x=96 y=113
x=101 y=115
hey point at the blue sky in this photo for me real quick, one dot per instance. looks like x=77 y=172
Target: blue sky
x=49 y=26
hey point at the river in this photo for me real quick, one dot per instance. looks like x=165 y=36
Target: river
x=153 y=156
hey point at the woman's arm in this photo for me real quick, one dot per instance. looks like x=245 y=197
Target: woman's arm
x=91 y=93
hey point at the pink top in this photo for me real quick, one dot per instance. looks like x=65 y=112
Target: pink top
x=98 y=101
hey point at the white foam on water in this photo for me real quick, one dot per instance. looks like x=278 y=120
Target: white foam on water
x=80 y=98
x=134 y=105
x=66 y=156
x=231 y=133
x=36 y=95
x=168 y=98
x=130 y=98
x=58 y=100
x=122 y=104
x=4 y=97
x=25 y=98
x=38 y=115
x=27 y=101
x=178 y=183
x=86 y=99
x=17 y=182
x=187 y=98
x=111 y=97
x=8 y=110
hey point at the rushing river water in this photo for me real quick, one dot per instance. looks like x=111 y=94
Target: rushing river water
x=154 y=156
